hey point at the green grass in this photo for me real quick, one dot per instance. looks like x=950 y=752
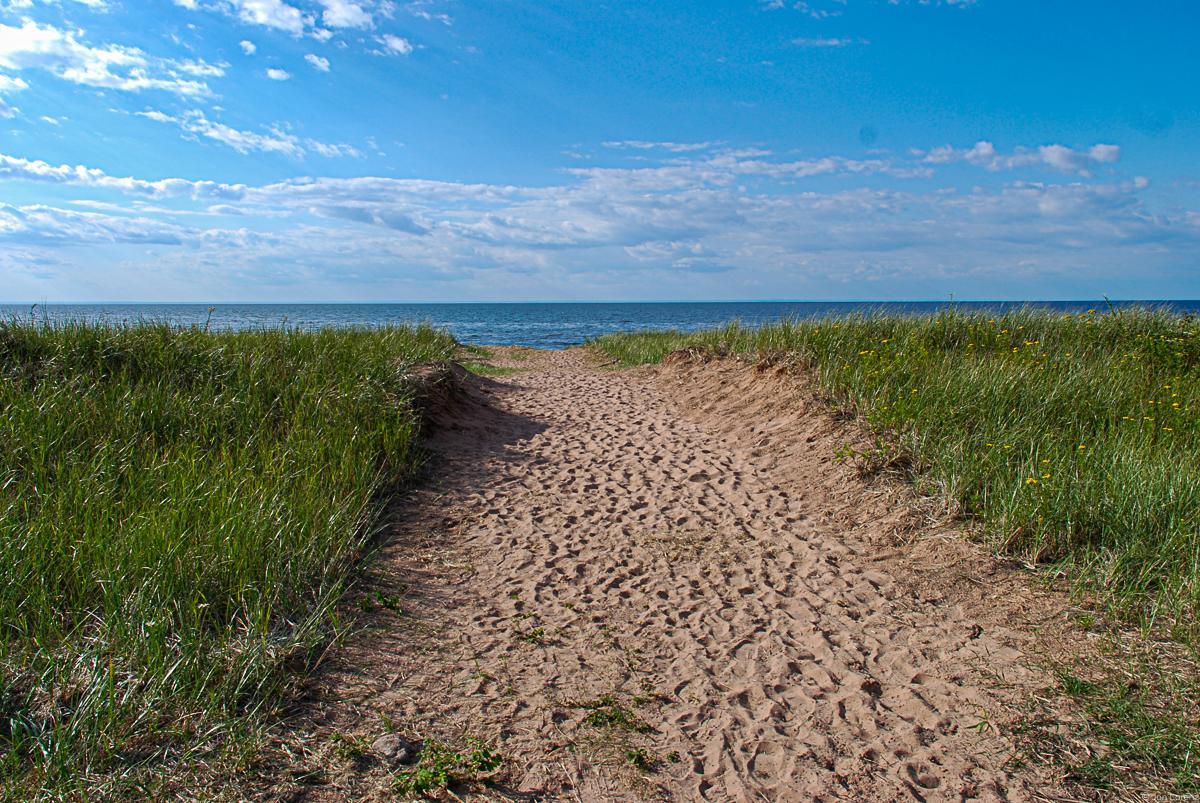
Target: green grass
x=179 y=510
x=1126 y=726
x=1071 y=440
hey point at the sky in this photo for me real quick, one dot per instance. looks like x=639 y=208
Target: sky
x=543 y=150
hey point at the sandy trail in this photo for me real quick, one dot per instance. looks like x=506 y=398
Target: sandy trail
x=591 y=539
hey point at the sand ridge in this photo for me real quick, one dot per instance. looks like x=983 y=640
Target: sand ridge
x=593 y=541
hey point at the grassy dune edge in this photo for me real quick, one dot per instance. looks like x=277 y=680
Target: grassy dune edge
x=179 y=510
x=1073 y=443
x=1073 y=440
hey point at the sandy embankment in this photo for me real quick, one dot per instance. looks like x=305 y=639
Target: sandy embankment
x=680 y=542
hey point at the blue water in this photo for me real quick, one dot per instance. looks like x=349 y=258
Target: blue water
x=551 y=326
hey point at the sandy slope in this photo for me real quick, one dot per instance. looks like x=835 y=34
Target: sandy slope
x=597 y=533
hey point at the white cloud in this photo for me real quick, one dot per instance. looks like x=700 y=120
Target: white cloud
x=276 y=74
x=670 y=224
x=420 y=10
x=15 y=167
x=673 y=147
x=200 y=68
x=196 y=125
x=824 y=9
x=9 y=85
x=345 y=14
x=396 y=44
x=248 y=47
x=271 y=14
x=1057 y=157
x=332 y=150
x=60 y=52
x=831 y=42
x=317 y=62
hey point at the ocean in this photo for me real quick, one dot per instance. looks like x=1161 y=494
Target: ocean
x=550 y=325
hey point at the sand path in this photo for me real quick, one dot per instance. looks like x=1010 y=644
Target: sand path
x=593 y=545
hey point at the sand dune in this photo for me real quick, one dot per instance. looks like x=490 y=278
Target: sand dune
x=686 y=558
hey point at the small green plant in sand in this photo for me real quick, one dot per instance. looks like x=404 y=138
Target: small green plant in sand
x=532 y=635
x=350 y=747
x=608 y=711
x=378 y=599
x=440 y=767
x=642 y=759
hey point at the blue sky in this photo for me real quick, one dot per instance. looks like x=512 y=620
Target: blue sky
x=447 y=150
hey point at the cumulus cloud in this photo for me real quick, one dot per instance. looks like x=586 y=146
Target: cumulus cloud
x=395 y=44
x=271 y=14
x=345 y=14
x=248 y=47
x=1057 y=157
x=276 y=74
x=318 y=63
x=34 y=46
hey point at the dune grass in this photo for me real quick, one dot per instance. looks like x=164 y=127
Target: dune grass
x=179 y=510
x=1073 y=440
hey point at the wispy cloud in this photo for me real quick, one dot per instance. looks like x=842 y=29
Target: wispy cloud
x=276 y=74
x=421 y=10
x=318 y=63
x=645 y=145
x=195 y=124
x=9 y=85
x=34 y=46
x=845 y=41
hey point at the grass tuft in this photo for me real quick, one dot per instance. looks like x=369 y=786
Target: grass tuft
x=179 y=510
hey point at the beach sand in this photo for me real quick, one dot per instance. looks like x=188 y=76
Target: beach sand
x=679 y=550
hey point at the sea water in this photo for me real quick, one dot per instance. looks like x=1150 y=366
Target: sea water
x=550 y=325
